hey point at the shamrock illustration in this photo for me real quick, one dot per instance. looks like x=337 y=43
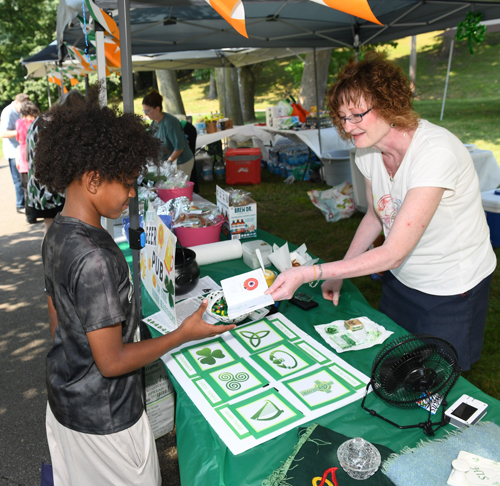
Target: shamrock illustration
x=208 y=356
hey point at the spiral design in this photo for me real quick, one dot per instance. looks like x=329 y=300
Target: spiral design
x=233 y=385
x=241 y=376
x=225 y=376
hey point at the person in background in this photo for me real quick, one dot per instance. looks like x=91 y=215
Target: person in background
x=8 y=119
x=423 y=193
x=168 y=129
x=42 y=202
x=28 y=112
x=97 y=427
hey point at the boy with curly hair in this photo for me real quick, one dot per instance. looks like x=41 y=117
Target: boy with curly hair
x=97 y=428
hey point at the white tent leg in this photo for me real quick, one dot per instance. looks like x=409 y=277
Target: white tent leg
x=128 y=107
x=103 y=96
x=447 y=76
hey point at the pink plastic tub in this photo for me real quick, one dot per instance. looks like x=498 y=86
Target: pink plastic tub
x=199 y=236
x=167 y=194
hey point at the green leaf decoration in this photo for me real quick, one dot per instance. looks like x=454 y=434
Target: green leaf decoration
x=471 y=30
x=209 y=356
x=217 y=353
x=204 y=352
x=171 y=288
x=170 y=300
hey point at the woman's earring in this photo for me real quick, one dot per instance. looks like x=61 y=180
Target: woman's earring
x=393 y=125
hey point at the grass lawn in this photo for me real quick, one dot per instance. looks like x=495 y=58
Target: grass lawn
x=471 y=112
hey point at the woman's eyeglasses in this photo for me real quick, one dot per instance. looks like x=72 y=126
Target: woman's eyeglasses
x=355 y=118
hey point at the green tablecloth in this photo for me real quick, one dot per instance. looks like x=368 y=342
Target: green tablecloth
x=203 y=456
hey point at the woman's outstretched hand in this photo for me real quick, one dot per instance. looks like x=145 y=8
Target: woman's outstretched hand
x=287 y=283
x=331 y=289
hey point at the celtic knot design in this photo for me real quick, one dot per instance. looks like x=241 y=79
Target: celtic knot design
x=254 y=338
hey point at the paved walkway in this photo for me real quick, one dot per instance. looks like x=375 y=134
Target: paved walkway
x=24 y=343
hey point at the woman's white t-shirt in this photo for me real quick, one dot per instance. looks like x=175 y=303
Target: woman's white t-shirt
x=454 y=253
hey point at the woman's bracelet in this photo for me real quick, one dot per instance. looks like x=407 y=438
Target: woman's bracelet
x=316 y=281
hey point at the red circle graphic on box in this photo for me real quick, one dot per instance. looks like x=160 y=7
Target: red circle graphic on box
x=250 y=284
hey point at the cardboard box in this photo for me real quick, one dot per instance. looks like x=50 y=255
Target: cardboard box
x=226 y=123
x=211 y=127
x=240 y=221
x=219 y=125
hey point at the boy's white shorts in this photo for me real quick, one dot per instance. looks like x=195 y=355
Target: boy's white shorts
x=127 y=457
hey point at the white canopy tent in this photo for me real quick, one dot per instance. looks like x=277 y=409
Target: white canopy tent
x=158 y=26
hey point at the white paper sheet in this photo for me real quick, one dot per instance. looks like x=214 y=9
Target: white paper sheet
x=245 y=293
x=205 y=286
x=279 y=405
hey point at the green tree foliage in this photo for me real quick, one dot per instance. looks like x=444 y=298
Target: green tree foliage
x=338 y=59
x=26 y=27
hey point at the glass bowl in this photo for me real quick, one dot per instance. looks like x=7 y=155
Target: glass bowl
x=358 y=458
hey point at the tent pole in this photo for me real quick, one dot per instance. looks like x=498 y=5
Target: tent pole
x=103 y=95
x=128 y=107
x=447 y=77
x=318 y=108
x=318 y=111
x=413 y=63
x=101 y=64
x=48 y=90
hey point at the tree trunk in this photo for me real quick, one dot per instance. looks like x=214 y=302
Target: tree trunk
x=233 y=93
x=221 y=88
x=247 y=82
x=169 y=89
x=212 y=90
x=227 y=89
x=307 y=94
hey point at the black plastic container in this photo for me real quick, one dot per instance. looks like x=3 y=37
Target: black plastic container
x=187 y=271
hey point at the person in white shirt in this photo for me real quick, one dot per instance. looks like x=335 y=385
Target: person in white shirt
x=8 y=133
x=423 y=193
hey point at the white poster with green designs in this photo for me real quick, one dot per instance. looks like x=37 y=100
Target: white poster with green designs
x=262 y=379
x=158 y=265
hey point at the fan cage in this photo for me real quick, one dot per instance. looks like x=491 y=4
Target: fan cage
x=424 y=362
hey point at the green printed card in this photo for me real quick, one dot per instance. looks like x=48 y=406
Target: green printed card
x=318 y=388
x=284 y=329
x=205 y=356
x=260 y=415
x=347 y=377
x=283 y=360
x=224 y=384
x=258 y=335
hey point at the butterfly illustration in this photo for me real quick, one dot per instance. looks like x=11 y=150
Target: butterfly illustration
x=208 y=356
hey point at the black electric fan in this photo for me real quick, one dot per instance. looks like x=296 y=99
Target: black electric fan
x=413 y=370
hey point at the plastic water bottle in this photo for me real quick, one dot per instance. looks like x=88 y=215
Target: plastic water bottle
x=220 y=169
x=208 y=172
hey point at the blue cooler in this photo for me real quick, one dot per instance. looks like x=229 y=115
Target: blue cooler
x=491 y=204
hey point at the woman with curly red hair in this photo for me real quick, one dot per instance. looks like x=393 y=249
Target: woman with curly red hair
x=423 y=193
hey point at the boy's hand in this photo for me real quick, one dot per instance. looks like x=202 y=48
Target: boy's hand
x=194 y=327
